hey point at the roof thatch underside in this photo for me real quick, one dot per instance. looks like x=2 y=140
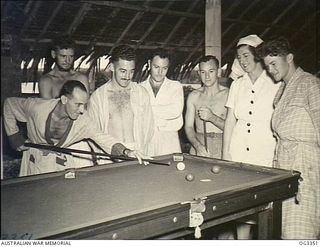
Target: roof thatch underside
x=27 y=27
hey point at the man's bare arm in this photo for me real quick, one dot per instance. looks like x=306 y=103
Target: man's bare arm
x=207 y=115
x=217 y=121
x=45 y=87
x=189 y=125
x=189 y=121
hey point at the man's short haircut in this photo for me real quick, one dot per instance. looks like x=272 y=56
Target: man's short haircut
x=162 y=53
x=275 y=47
x=207 y=58
x=68 y=88
x=124 y=52
x=63 y=42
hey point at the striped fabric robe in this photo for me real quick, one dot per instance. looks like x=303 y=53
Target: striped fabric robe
x=296 y=123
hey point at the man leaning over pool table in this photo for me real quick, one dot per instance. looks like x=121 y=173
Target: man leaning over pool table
x=59 y=122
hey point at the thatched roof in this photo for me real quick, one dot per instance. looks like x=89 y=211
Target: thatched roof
x=27 y=27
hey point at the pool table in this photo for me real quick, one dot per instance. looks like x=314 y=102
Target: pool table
x=126 y=200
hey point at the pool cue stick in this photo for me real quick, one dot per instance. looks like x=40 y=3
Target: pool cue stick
x=71 y=150
x=205 y=135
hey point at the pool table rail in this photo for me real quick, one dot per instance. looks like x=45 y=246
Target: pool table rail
x=261 y=192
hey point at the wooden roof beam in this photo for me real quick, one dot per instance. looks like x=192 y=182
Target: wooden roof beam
x=32 y=16
x=108 y=21
x=181 y=20
x=255 y=23
x=240 y=34
x=28 y=7
x=283 y=13
x=126 y=30
x=53 y=15
x=144 y=9
x=175 y=47
x=309 y=20
x=193 y=29
x=253 y=3
x=137 y=16
x=230 y=9
x=4 y=7
x=195 y=49
x=79 y=17
x=153 y=25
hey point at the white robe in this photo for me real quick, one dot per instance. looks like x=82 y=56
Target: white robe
x=167 y=109
x=98 y=109
x=36 y=113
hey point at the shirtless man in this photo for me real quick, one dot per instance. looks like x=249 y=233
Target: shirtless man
x=121 y=107
x=205 y=107
x=51 y=83
x=60 y=122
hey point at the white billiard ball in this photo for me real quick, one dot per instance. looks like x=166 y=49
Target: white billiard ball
x=181 y=166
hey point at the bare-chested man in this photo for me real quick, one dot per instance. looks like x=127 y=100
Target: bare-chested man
x=63 y=51
x=121 y=107
x=205 y=109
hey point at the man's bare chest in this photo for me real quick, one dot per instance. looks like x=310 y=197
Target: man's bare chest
x=215 y=103
x=58 y=81
x=119 y=102
x=58 y=128
x=61 y=78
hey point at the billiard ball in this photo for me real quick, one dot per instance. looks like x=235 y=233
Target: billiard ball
x=190 y=177
x=215 y=169
x=181 y=166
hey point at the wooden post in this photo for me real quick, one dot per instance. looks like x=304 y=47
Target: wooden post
x=213 y=28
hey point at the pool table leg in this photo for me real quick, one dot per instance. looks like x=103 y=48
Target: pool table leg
x=269 y=222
